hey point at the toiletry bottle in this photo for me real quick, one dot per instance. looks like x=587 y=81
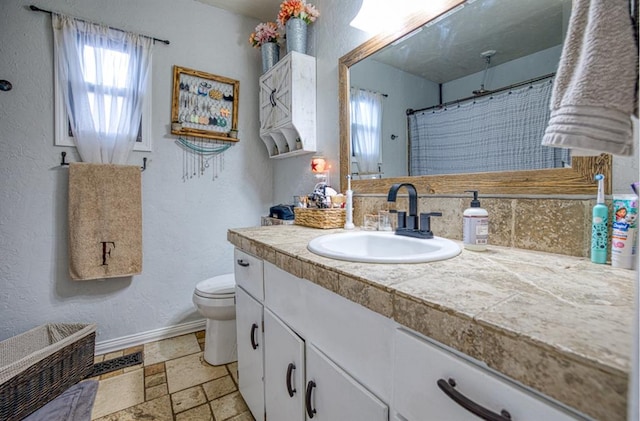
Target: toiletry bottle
x=348 y=225
x=475 y=226
x=599 y=225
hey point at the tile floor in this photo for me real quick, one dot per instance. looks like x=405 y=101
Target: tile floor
x=173 y=384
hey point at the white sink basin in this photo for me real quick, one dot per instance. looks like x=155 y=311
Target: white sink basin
x=382 y=247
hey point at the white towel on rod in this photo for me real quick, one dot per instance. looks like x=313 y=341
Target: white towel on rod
x=594 y=93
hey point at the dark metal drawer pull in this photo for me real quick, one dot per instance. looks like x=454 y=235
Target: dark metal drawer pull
x=254 y=344
x=448 y=387
x=290 y=389
x=243 y=263
x=310 y=411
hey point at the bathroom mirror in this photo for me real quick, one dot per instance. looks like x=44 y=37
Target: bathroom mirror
x=456 y=53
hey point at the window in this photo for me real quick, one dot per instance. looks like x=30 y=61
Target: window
x=93 y=75
x=366 y=131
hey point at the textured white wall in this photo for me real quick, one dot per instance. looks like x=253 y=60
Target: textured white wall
x=184 y=223
x=330 y=38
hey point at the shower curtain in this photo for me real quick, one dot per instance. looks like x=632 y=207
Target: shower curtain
x=498 y=132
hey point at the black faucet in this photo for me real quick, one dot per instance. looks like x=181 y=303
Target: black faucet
x=411 y=225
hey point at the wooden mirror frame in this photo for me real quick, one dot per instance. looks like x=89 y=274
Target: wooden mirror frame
x=562 y=181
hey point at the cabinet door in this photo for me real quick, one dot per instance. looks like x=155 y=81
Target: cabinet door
x=332 y=395
x=275 y=95
x=283 y=370
x=250 y=352
x=418 y=367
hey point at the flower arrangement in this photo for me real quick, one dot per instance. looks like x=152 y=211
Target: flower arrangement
x=265 y=32
x=297 y=9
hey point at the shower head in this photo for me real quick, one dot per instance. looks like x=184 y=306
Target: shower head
x=487 y=59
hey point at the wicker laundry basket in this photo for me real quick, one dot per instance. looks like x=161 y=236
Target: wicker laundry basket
x=40 y=364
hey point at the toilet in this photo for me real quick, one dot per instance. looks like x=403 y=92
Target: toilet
x=215 y=300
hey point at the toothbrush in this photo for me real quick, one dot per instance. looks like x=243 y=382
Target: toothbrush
x=348 y=225
x=599 y=225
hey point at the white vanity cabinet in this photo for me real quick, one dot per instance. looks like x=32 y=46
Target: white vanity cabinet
x=288 y=106
x=249 y=331
x=325 y=358
x=302 y=383
x=432 y=383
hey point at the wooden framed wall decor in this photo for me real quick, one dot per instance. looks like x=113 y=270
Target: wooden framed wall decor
x=204 y=105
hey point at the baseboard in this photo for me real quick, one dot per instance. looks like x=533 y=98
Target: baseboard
x=129 y=341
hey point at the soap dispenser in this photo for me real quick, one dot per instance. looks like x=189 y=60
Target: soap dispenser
x=475 y=225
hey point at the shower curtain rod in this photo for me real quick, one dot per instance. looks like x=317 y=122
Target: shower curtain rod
x=504 y=88
x=37 y=9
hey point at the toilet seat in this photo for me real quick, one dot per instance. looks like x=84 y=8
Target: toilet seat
x=223 y=286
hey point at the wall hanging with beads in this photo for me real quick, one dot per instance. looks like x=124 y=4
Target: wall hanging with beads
x=204 y=105
x=200 y=155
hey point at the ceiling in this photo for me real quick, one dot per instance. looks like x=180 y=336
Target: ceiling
x=263 y=10
x=451 y=48
x=514 y=28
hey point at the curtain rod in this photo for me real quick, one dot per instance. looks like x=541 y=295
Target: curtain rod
x=37 y=9
x=373 y=92
x=504 y=88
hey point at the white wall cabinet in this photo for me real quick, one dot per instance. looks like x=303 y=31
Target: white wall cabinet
x=288 y=106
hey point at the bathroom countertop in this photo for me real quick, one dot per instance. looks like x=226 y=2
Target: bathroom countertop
x=559 y=324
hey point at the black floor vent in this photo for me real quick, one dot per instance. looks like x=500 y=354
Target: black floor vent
x=116 y=364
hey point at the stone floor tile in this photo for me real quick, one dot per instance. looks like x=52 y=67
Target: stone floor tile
x=118 y=393
x=157 y=410
x=110 y=374
x=191 y=370
x=168 y=349
x=219 y=387
x=112 y=355
x=154 y=369
x=228 y=406
x=156 y=391
x=233 y=369
x=134 y=349
x=98 y=359
x=245 y=416
x=155 y=379
x=200 y=334
x=187 y=399
x=200 y=413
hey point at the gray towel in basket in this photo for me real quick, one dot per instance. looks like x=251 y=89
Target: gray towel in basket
x=74 y=404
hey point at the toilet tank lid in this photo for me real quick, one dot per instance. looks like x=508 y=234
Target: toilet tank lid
x=222 y=284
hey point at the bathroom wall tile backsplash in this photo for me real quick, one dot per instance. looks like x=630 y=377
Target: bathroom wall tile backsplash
x=560 y=226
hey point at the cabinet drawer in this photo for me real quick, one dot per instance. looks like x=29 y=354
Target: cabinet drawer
x=418 y=367
x=249 y=274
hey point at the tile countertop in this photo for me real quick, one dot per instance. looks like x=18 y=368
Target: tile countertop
x=559 y=324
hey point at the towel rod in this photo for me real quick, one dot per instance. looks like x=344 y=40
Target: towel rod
x=64 y=161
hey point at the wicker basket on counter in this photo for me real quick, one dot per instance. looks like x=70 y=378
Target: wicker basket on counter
x=40 y=364
x=320 y=218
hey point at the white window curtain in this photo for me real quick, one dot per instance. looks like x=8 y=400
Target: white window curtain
x=103 y=73
x=499 y=132
x=366 y=130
